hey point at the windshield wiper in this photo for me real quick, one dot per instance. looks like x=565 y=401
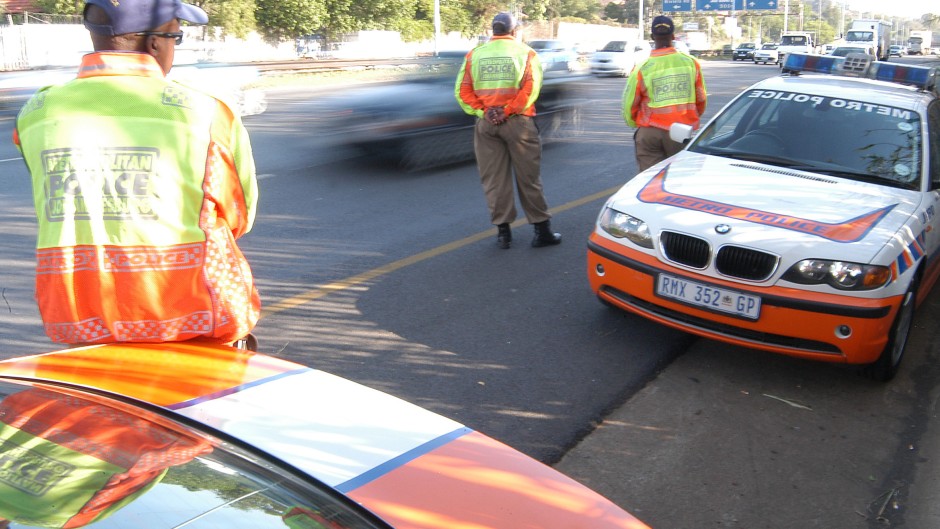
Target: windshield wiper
x=767 y=158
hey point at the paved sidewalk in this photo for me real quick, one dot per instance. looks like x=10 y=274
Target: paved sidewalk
x=728 y=437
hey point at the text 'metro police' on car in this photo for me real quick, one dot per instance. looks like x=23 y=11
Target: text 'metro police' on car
x=801 y=220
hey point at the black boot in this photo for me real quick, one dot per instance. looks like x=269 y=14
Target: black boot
x=504 y=235
x=544 y=235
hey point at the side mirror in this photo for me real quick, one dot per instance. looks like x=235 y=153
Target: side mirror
x=680 y=133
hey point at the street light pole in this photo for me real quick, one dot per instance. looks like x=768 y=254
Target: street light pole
x=437 y=25
x=639 y=22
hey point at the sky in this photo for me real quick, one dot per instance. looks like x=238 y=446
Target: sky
x=902 y=8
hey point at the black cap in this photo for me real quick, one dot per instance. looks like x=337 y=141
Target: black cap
x=504 y=22
x=662 y=25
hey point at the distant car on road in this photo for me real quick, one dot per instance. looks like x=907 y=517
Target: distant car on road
x=556 y=55
x=896 y=50
x=767 y=54
x=618 y=57
x=744 y=52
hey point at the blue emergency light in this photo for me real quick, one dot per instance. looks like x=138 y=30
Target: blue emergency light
x=800 y=62
x=922 y=77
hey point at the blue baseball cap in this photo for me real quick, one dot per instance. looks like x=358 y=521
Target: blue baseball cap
x=134 y=16
x=504 y=22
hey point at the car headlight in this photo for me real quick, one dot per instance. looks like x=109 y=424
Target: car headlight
x=622 y=226
x=838 y=274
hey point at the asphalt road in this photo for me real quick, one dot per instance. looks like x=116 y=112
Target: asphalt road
x=393 y=279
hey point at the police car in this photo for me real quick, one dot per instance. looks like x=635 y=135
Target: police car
x=160 y=436
x=802 y=219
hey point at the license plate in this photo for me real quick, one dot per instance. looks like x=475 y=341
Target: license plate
x=709 y=297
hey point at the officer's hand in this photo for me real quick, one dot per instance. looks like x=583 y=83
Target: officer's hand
x=495 y=115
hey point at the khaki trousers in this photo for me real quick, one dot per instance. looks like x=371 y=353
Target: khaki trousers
x=653 y=145
x=513 y=146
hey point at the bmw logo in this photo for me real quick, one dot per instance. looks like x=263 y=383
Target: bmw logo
x=722 y=229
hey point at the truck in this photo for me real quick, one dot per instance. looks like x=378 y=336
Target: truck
x=874 y=35
x=794 y=42
x=918 y=42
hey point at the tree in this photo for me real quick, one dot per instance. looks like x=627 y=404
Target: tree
x=280 y=20
x=233 y=17
x=61 y=7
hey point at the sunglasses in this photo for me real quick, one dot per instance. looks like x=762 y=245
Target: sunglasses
x=175 y=35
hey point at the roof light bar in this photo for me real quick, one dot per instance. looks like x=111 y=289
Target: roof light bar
x=919 y=76
x=925 y=78
x=800 y=62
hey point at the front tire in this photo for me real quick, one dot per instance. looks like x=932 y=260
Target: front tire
x=886 y=367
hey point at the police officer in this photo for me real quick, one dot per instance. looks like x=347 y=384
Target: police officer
x=141 y=188
x=667 y=88
x=499 y=83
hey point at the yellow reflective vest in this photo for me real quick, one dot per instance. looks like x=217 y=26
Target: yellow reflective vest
x=667 y=88
x=501 y=73
x=141 y=186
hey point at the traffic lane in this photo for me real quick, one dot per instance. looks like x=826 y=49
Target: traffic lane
x=510 y=342
x=21 y=331
x=753 y=439
x=525 y=354
x=340 y=215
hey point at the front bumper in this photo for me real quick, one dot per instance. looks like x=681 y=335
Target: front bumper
x=794 y=322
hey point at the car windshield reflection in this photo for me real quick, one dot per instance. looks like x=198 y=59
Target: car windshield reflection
x=828 y=135
x=74 y=460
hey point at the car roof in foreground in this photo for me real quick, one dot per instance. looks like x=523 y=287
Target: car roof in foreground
x=407 y=465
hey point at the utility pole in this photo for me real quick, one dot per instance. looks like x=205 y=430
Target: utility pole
x=437 y=24
x=786 y=14
x=842 y=23
x=639 y=21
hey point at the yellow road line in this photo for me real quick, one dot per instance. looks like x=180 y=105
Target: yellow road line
x=358 y=279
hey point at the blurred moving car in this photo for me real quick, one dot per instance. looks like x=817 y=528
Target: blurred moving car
x=225 y=81
x=801 y=220
x=556 y=55
x=618 y=57
x=896 y=50
x=744 y=52
x=159 y=436
x=767 y=54
x=417 y=124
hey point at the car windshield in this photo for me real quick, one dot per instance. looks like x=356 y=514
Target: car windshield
x=615 y=45
x=834 y=136
x=769 y=47
x=73 y=460
x=859 y=36
x=746 y=47
x=793 y=40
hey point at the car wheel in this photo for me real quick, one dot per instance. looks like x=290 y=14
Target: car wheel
x=886 y=367
x=436 y=148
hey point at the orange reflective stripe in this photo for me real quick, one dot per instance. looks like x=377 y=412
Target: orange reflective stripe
x=113 y=259
x=118 y=63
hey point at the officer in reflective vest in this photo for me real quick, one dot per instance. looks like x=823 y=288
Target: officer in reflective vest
x=499 y=83
x=141 y=187
x=667 y=88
